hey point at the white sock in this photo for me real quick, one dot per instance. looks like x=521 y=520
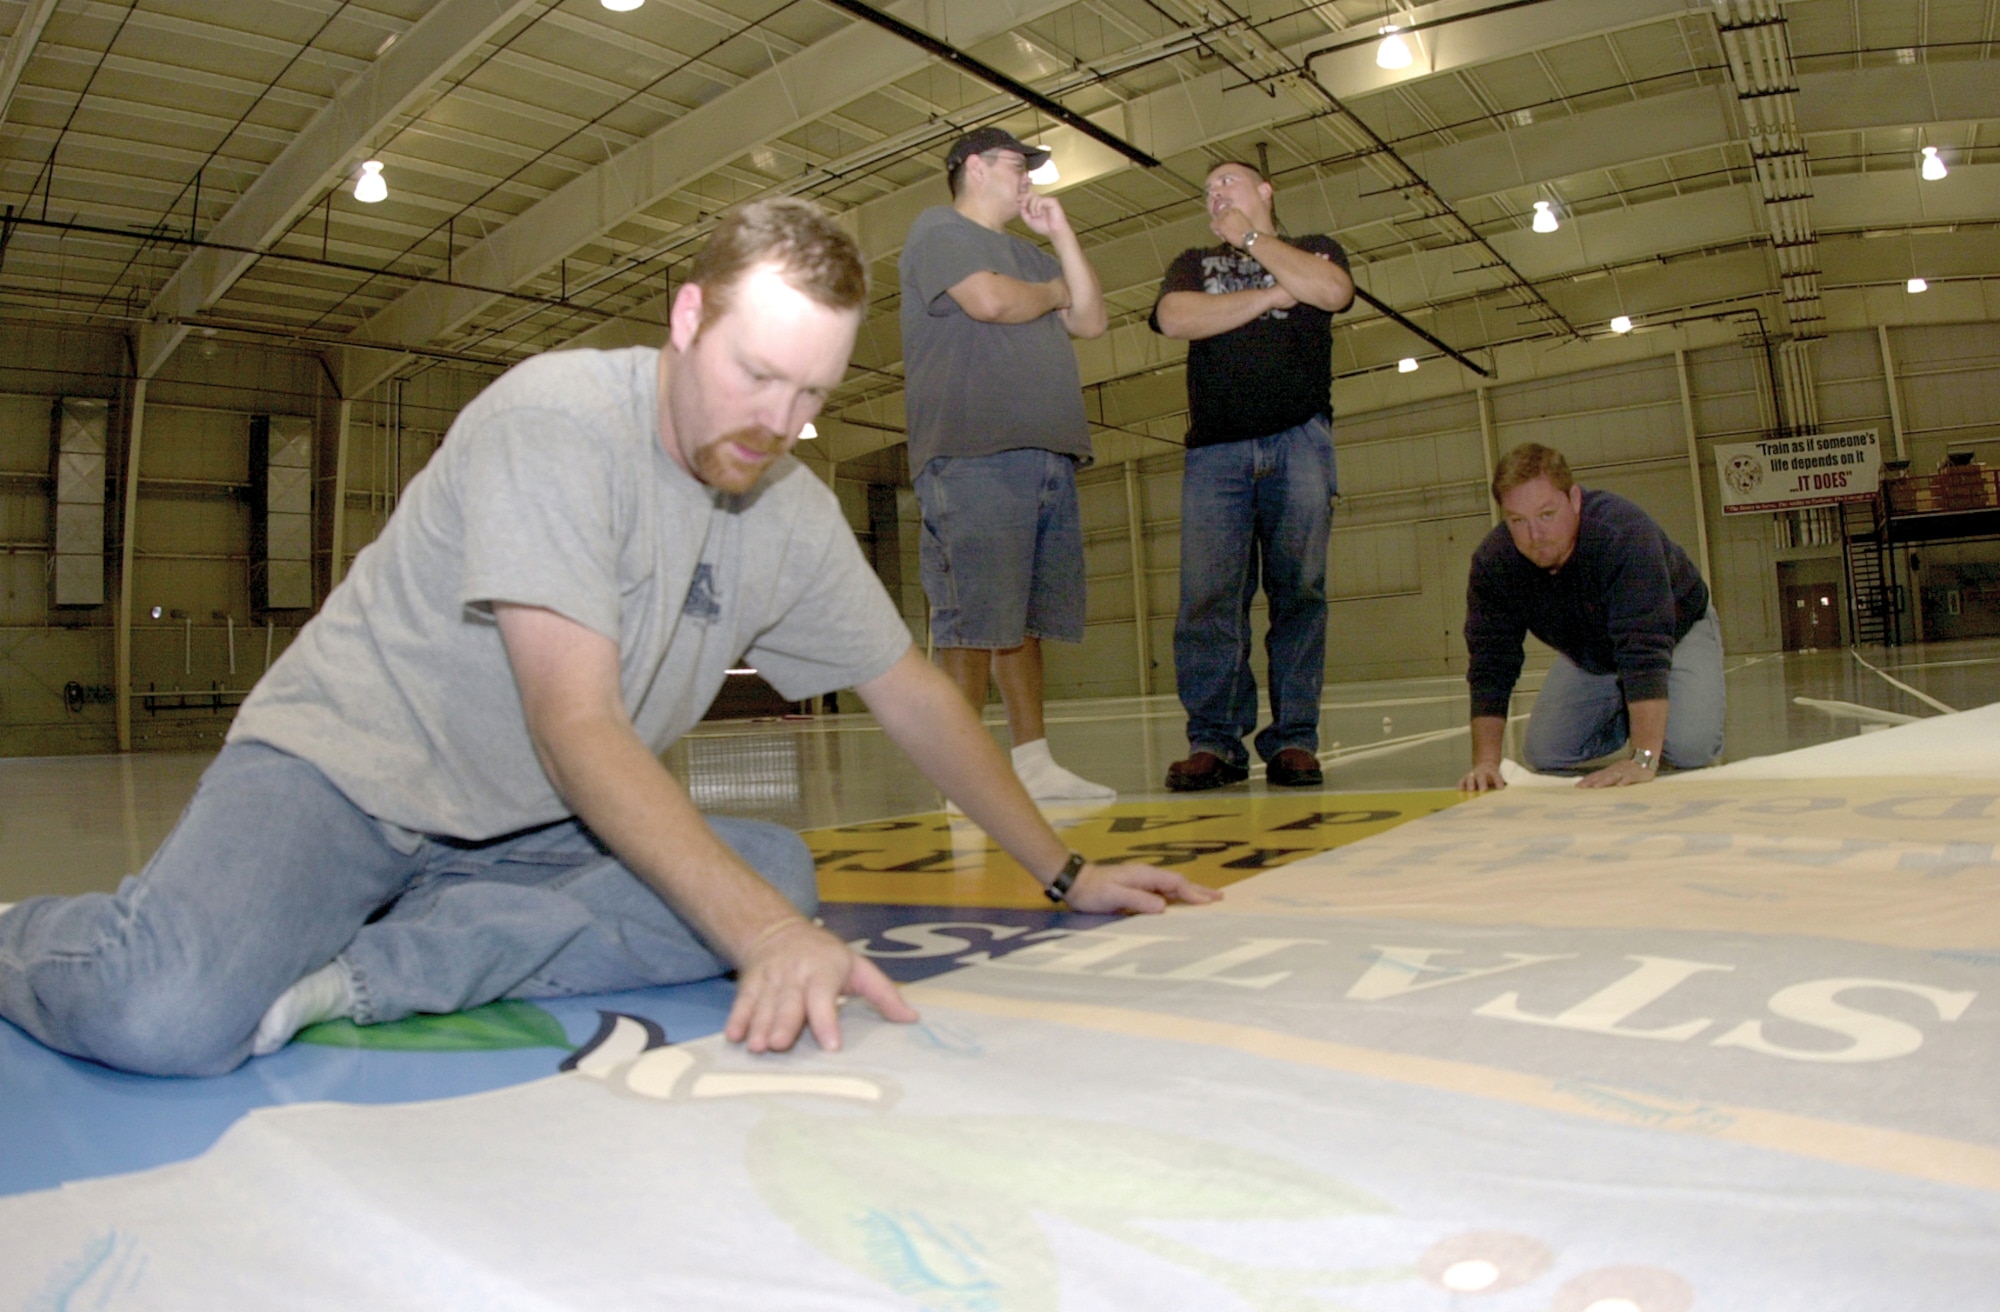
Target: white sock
x=5 y=906
x=1048 y=782
x=323 y=995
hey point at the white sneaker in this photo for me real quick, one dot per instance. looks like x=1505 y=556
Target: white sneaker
x=1048 y=782
x=323 y=995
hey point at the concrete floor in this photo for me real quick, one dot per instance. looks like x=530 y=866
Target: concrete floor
x=74 y=824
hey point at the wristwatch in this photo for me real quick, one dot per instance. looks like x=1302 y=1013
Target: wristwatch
x=1250 y=238
x=1648 y=759
x=1059 y=887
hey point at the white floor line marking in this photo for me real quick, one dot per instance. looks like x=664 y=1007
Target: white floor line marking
x=1392 y=701
x=1391 y=746
x=1163 y=707
x=1855 y=711
x=1157 y=706
x=997 y=718
x=1895 y=682
x=1946 y=665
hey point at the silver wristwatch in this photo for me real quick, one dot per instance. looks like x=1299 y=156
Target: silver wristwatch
x=1648 y=759
x=1250 y=238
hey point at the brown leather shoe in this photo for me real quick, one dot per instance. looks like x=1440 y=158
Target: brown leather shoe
x=1203 y=770
x=1295 y=767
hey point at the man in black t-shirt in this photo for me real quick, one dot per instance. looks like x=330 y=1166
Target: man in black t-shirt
x=1257 y=492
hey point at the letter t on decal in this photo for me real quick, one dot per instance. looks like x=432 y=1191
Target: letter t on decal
x=1209 y=969
x=1604 y=1011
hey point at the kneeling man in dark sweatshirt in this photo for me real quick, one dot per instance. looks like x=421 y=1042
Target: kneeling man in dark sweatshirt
x=1638 y=648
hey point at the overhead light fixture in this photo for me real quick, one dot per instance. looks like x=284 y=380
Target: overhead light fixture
x=370 y=187
x=1406 y=365
x=808 y=433
x=622 y=6
x=1545 y=217
x=1046 y=174
x=1622 y=324
x=1915 y=285
x=1934 y=168
x=1394 y=52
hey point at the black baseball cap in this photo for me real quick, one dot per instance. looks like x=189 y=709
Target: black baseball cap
x=980 y=140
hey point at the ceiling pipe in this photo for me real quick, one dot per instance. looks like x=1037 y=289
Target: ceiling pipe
x=993 y=77
x=1374 y=35
x=1438 y=342
x=167 y=237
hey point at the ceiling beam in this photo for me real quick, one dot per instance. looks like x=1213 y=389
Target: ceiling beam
x=1191 y=115
x=1194 y=114
x=322 y=152
x=818 y=80
x=994 y=78
x=21 y=47
x=1348 y=69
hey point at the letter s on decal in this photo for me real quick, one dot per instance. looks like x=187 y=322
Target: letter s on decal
x=930 y=940
x=1876 y=1038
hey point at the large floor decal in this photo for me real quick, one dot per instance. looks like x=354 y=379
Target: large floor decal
x=1216 y=838
x=70 y=1120
x=1727 y=1041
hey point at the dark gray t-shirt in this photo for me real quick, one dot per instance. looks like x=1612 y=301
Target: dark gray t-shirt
x=552 y=490
x=973 y=388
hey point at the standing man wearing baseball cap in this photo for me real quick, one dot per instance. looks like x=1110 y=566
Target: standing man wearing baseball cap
x=995 y=413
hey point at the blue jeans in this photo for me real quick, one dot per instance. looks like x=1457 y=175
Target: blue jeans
x=1002 y=548
x=1260 y=507
x=271 y=873
x=1581 y=717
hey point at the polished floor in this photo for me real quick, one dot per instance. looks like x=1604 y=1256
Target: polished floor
x=74 y=824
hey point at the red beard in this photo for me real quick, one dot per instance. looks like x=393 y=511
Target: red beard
x=721 y=465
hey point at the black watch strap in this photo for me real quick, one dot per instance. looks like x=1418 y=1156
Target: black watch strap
x=1059 y=887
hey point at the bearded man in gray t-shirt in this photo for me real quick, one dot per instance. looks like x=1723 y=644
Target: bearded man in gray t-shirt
x=449 y=789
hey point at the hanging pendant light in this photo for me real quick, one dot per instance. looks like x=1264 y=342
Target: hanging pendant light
x=1622 y=324
x=369 y=187
x=1934 y=168
x=1545 y=217
x=1394 y=52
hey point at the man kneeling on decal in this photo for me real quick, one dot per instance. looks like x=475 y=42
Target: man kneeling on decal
x=449 y=789
x=1638 y=648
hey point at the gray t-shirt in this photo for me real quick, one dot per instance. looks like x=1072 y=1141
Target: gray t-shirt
x=552 y=490
x=973 y=388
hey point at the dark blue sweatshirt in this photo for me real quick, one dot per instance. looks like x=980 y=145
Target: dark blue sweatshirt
x=1618 y=605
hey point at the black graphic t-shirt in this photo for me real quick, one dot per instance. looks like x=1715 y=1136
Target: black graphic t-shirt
x=1274 y=372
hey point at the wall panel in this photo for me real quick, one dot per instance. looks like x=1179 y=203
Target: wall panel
x=1413 y=505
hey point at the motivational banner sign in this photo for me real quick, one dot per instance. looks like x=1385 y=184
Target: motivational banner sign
x=1789 y=472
